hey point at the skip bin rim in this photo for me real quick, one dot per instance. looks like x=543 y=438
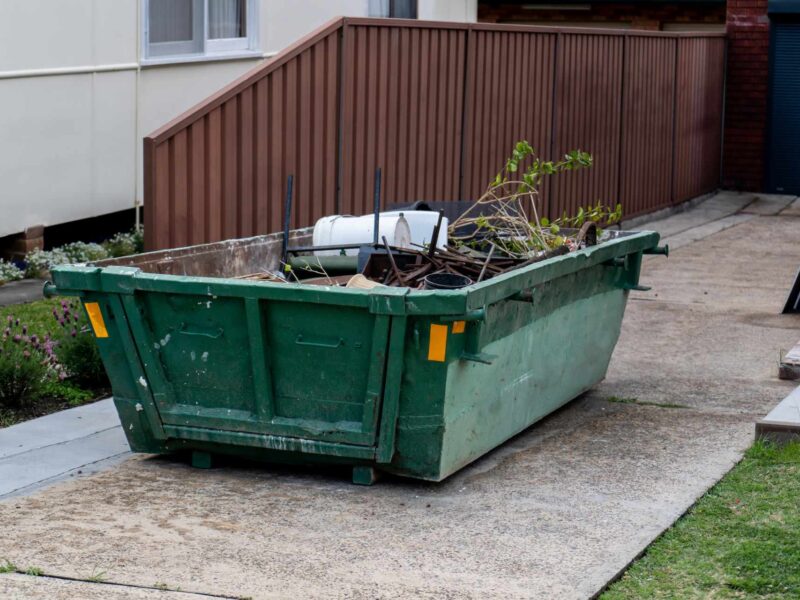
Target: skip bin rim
x=75 y=279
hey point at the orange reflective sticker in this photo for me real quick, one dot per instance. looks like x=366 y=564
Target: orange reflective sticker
x=96 y=319
x=458 y=326
x=437 y=347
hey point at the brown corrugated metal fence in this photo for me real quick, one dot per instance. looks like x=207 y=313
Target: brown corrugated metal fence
x=438 y=106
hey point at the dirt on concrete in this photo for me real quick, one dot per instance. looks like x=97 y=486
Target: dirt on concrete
x=554 y=513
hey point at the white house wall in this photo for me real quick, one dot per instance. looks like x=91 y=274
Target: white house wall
x=75 y=102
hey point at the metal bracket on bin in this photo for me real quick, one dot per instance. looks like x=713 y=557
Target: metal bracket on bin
x=472 y=351
x=663 y=250
x=523 y=296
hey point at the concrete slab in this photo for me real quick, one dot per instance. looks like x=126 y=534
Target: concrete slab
x=26 y=469
x=78 y=441
x=20 y=292
x=793 y=210
x=783 y=422
x=718 y=206
x=769 y=204
x=26 y=587
x=58 y=428
x=789 y=369
x=697 y=233
x=554 y=513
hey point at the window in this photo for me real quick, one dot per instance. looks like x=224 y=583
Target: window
x=395 y=9
x=196 y=28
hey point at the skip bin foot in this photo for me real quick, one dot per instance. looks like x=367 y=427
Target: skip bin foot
x=201 y=460
x=364 y=475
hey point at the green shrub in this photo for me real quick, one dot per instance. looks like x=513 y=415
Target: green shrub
x=82 y=252
x=68 y=392
x=125 y=244
x=38 y=262
x=25 y=366
x=76 y=349
x=9 y=272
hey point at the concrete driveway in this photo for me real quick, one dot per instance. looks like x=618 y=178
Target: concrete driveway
x=554 y=513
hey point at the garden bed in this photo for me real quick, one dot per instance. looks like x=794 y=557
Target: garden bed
x=47 y=368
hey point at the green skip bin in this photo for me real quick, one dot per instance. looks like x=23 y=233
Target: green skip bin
x=412 y=382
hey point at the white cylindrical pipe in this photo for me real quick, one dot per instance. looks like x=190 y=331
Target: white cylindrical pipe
x=422 y=223
x=342 y=230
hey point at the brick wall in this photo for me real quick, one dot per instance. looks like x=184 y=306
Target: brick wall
x=746 y=94
x=640 y=15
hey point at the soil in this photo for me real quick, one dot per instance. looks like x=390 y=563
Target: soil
x=45 y=406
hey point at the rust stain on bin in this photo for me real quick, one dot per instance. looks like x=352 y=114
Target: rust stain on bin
x=437 y=106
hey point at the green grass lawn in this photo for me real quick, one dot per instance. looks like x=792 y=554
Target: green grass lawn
x=741 y=540
x=38 y=316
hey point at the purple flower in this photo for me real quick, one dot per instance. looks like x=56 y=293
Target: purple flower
x=10 y=319
x=61 y=322
x=24 y=330
x=16 y=322
x=74 y=333
x=26 y=354
x=7 y=332
x=17 y=338
x=35 y=338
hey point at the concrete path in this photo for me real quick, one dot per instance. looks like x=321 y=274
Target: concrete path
x=19 y=292
x=79 y=441
x=554 y=513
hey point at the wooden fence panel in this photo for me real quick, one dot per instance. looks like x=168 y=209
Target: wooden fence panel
x=438 y=107
x=647 y=124
x=699 y=77
x=402 y=107
x=509 y=98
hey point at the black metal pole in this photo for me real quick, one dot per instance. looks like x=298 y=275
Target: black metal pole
x=376 y=207
x=435 y=235
x=287 y=218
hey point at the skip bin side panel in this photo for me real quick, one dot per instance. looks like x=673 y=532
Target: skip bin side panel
x=133 y=400
x=545 y=354
x=420 y=425
x=256 y=366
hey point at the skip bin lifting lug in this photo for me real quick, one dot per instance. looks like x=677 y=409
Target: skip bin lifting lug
x=471 y=344
x=658 y=250
x=637 y=288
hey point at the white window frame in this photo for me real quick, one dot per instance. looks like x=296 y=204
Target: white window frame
x=202 y=49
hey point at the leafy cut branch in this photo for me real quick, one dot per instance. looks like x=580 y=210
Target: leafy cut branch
x=506 y=216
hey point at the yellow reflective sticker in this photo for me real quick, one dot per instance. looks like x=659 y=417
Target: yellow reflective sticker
x=437 y=347
x=96 y=319
x=458 y=326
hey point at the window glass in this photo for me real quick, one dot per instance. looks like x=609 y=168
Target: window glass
x=403 y=9
x=171 y=21
x=227 y=19
x=398 y=9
